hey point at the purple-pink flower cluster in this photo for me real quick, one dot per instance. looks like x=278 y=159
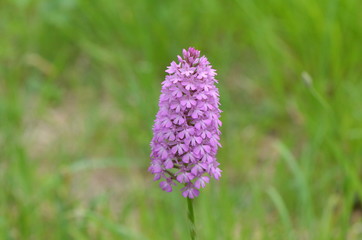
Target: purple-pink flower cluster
x=186 y=129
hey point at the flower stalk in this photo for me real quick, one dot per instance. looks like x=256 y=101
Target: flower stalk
x=191 y=218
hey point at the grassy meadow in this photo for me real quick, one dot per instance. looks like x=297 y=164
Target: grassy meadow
x=79 y=88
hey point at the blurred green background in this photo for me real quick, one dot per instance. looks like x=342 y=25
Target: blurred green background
x=79 y=88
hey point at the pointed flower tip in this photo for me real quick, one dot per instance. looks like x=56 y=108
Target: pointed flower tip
x=186 y=129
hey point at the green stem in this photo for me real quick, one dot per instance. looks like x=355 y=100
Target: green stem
x=191 y=218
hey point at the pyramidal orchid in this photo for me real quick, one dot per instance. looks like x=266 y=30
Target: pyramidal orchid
x=186 y=129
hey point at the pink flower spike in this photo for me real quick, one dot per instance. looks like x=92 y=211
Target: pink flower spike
x=186 y=131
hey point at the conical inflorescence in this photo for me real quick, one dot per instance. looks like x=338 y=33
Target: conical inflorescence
x=186 y=130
